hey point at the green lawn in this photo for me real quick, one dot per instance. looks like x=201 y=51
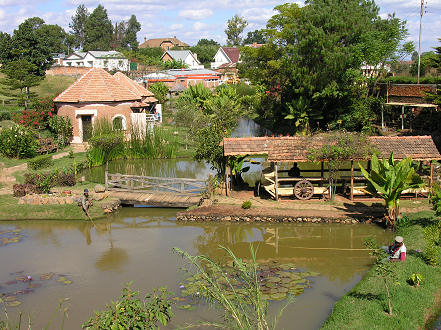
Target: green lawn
x=11 y=210
x=365 y=305
x=53 y=85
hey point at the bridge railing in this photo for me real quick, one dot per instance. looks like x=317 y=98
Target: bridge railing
x=136 y=183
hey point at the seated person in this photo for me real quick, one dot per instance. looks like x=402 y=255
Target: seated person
x=397 y=251
x=294 y=172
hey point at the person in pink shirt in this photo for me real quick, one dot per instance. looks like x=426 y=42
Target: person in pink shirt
x=397 y=251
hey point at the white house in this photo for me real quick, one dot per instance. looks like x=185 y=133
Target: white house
x=225 y=55
x=185 y=56
x=110 y=60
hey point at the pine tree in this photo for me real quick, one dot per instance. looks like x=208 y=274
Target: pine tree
x=78 y=25
x=129 y=40
x=98 y=30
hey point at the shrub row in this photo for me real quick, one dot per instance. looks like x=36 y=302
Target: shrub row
x=40 y=162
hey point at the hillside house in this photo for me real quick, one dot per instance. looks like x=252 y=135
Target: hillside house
x=109 y=60
x=164 y=43
x=187 y=57
x=226 y=56
x=97 y=94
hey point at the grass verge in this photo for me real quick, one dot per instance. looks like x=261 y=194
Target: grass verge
x=11 y=210
x=364 y=307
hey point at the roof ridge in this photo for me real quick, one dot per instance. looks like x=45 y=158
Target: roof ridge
x=73 y=84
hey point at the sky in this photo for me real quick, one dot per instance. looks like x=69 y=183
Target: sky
x=191 y=20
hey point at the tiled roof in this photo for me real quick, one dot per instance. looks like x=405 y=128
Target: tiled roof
x=410 y=90
x=97 y=85
x=295 y=148
x=132 y=85
x=233 y=53
x=106 y=54
x=178 y=55
x=158 y=41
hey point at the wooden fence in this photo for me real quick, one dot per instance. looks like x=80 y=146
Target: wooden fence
x=135 y=183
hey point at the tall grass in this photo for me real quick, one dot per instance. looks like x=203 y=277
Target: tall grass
x=154 y=144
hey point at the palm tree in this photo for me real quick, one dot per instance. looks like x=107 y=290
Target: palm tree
x=388 y=179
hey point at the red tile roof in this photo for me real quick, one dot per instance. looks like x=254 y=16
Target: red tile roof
x=97 y=85
x=132 y=85
x=233 y=53
x=295 y=148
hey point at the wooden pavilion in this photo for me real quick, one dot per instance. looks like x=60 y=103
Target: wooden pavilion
x=290 y=149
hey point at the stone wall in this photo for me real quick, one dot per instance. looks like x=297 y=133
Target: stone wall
x=215 y=218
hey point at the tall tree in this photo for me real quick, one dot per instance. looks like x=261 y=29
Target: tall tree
x=77 y=25
x=132 y=28
x=5 y=47
x=206 y=42
x=316 y=53
x=235 y=27
x=32 y=43
x=257 y=36
x=20 y=77
x=119 y=32
x=98 y=30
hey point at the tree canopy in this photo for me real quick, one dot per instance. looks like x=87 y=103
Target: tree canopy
x=133 y=27
x=235 y=27
x=256 y=36
x=98 y=30
x=77 y=25
x=311 y=63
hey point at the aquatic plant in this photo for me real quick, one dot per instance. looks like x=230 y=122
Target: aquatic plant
x=131 y=312
x=241 y=289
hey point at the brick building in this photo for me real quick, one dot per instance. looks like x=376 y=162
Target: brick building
x=96 y=95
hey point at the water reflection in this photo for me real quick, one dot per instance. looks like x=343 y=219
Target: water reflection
x=171 y=168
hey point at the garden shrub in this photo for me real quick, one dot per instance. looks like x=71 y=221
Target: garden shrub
x=66 y=179
x=40 y=162
x=5 y=115
x=20 y=190
x=18 y=142
x=246 y=204
x=435 y=199
x=431 y=252
x=43 y=182
x=61 y=128
x=131 y=312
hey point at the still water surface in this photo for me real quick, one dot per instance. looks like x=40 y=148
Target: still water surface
x=136 y=245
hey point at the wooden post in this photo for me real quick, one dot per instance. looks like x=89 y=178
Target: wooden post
x=182 y=187
x=382 y=116
x=402 y=117
x=352 y=180
x=276 y=181
x=322 y=172
x=227 y=179
x=431 y=177
x=106 y=179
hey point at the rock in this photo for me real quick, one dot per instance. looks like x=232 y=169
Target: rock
x=226 y=218
x=205 y=202
x=354 y=221
x=107 y=211
x=99 y=188
x=21 y=201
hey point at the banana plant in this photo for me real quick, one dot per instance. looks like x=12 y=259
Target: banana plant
x=388 y=179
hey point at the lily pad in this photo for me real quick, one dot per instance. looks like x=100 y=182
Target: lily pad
x=14 y=303
x=270 y=285
x=10 y=298
x=274 y=279
x=61 y=279
x=67 y=282
x=278 y=296
x=282 y=289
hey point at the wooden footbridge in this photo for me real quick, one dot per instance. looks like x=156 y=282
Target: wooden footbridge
x=155 y=191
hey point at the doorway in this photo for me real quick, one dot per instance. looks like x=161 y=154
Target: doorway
x=86 y=122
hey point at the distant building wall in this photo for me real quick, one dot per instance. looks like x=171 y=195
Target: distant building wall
x=66 y=71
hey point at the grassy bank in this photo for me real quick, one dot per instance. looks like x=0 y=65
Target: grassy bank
x=364 y=307
x=11 y=210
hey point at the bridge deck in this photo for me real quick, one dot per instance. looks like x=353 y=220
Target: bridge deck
x=155 y=198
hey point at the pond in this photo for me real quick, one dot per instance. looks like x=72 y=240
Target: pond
x=89 y=264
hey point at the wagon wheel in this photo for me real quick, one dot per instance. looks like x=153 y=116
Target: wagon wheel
x=303 y=189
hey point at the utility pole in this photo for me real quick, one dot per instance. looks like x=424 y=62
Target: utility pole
x=419 y=40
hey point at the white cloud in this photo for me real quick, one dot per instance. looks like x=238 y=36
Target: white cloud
x=198 y=26
x=196 y=14
x=176 y=26
x=2 y=14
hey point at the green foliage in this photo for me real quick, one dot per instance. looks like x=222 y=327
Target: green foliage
x=62 y=128
x=402 y=222
x=388 y=179
x=411 y=80
x=235 y=27
x=240 y=311
x=256 y=36
x=129 y=38
x=98 y=30
x=383 y=268
x=174 y=64
x=153 y=145
x=77 y=25
x=160 y=90
x=315 y=53
x=131 y=312
x=431 y=252
x=435 y=199
x=246 y=204
x=40 y=162
x=415 y=279
x=205 y=53
x=18 y=142
x=206 y=42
